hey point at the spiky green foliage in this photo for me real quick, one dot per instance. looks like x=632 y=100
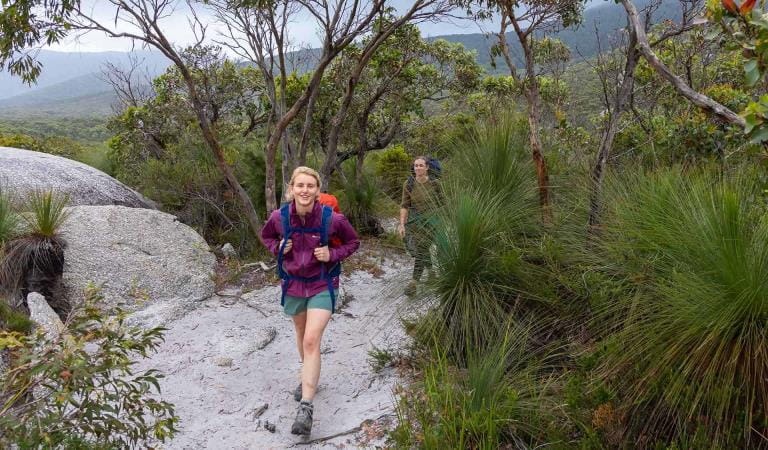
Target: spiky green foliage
x=47 y=212
x=500 y=398
x=34 y=261
x=13 y=320
x=9 y=221
x=358 y=200
x=691 y=349
x=489 y=203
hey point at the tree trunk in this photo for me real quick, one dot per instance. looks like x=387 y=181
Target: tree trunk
x=533 y=98
x=534 y=115
x=287 y=164
x=213 y=143
x=281 y=126
x=609 y=133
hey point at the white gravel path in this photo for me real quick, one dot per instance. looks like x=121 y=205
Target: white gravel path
x=218 y=377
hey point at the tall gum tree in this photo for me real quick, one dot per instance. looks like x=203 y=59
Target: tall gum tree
x=530 y=20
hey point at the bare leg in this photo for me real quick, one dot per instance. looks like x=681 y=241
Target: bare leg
x=316 y=321
x=300 y=322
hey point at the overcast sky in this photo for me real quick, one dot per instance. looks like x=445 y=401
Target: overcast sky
x=177 y=28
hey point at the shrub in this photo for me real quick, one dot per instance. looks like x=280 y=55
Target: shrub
x=500 y=398
x=489 y=203
x=9 y=221
x=79 y=390
x=393 y=166
x=690 y=348
x=34 y=261
x=358 y=201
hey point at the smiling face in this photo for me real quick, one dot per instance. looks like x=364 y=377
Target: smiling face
x=420 y=167
x=305 y=189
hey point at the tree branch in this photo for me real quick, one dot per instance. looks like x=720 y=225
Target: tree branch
x=702 y=101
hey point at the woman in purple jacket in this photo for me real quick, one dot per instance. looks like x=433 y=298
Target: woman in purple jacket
x=309 y=303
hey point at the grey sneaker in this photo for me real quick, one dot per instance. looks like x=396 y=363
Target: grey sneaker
x=303 y=422
x=297 y=393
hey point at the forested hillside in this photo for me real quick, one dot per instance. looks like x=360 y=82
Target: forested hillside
x=72 y=84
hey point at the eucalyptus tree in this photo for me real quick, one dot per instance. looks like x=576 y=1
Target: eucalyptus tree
x=619 y=85
x=404 y=73
x=339 y=23
x=530 y=20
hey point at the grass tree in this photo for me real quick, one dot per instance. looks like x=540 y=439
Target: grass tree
x=34 y=260
x=691 y=351
x=489 y=202
x=9 y=221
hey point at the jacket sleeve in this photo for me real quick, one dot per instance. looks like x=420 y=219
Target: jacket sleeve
x=271 y=233
x=342 y=229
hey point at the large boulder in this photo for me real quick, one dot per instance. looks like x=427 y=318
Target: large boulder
x=24 y=171
x=141 y=259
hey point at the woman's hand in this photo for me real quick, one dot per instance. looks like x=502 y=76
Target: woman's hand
x=323 y=254
x=288 y=246
x=401 y=230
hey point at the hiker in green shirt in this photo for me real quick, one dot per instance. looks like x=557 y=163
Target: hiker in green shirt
x=421 y=195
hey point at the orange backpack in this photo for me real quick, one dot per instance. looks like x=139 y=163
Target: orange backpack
x=333 y=202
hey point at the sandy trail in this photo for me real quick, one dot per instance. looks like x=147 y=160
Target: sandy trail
x=219 y=379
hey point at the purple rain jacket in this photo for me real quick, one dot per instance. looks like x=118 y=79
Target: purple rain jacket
x=301 y=261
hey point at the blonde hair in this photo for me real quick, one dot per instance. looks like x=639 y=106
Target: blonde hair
x=303 y=170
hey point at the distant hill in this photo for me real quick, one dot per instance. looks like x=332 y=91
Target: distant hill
x=600 y=20
x=59 y=67
x=69 y=85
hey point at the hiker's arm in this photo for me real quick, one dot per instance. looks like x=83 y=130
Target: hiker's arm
x=403 y=219
x=405 y=203
x=349 y=241
x=270 y=235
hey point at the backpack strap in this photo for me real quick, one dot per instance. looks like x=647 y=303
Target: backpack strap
x=335 y=271
x=324 y=230
x=325 y=225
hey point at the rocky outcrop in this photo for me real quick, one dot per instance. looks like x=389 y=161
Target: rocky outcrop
x=43 y=315
x=142 y=260
x=24 y=171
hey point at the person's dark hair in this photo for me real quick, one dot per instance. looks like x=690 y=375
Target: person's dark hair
x=423 y=158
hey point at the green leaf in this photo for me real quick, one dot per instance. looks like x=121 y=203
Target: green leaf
x=752 y=72
x=759 y=136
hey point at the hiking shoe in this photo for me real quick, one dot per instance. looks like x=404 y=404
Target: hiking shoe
x=431 y=276
x=303 y=422
x=411 y=288
x=297 y=393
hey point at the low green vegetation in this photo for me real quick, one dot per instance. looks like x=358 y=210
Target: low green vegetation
x=79 y=390
x=648 y=330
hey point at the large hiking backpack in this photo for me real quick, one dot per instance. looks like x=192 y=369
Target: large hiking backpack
x=324 y=230
x=434 y=170
x=333 y=202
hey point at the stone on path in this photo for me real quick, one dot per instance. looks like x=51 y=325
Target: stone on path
x=43 y=315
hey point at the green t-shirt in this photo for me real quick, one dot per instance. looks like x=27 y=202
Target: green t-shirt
x=424 y=197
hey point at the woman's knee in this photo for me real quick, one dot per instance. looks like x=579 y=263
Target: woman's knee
x=311 y=343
